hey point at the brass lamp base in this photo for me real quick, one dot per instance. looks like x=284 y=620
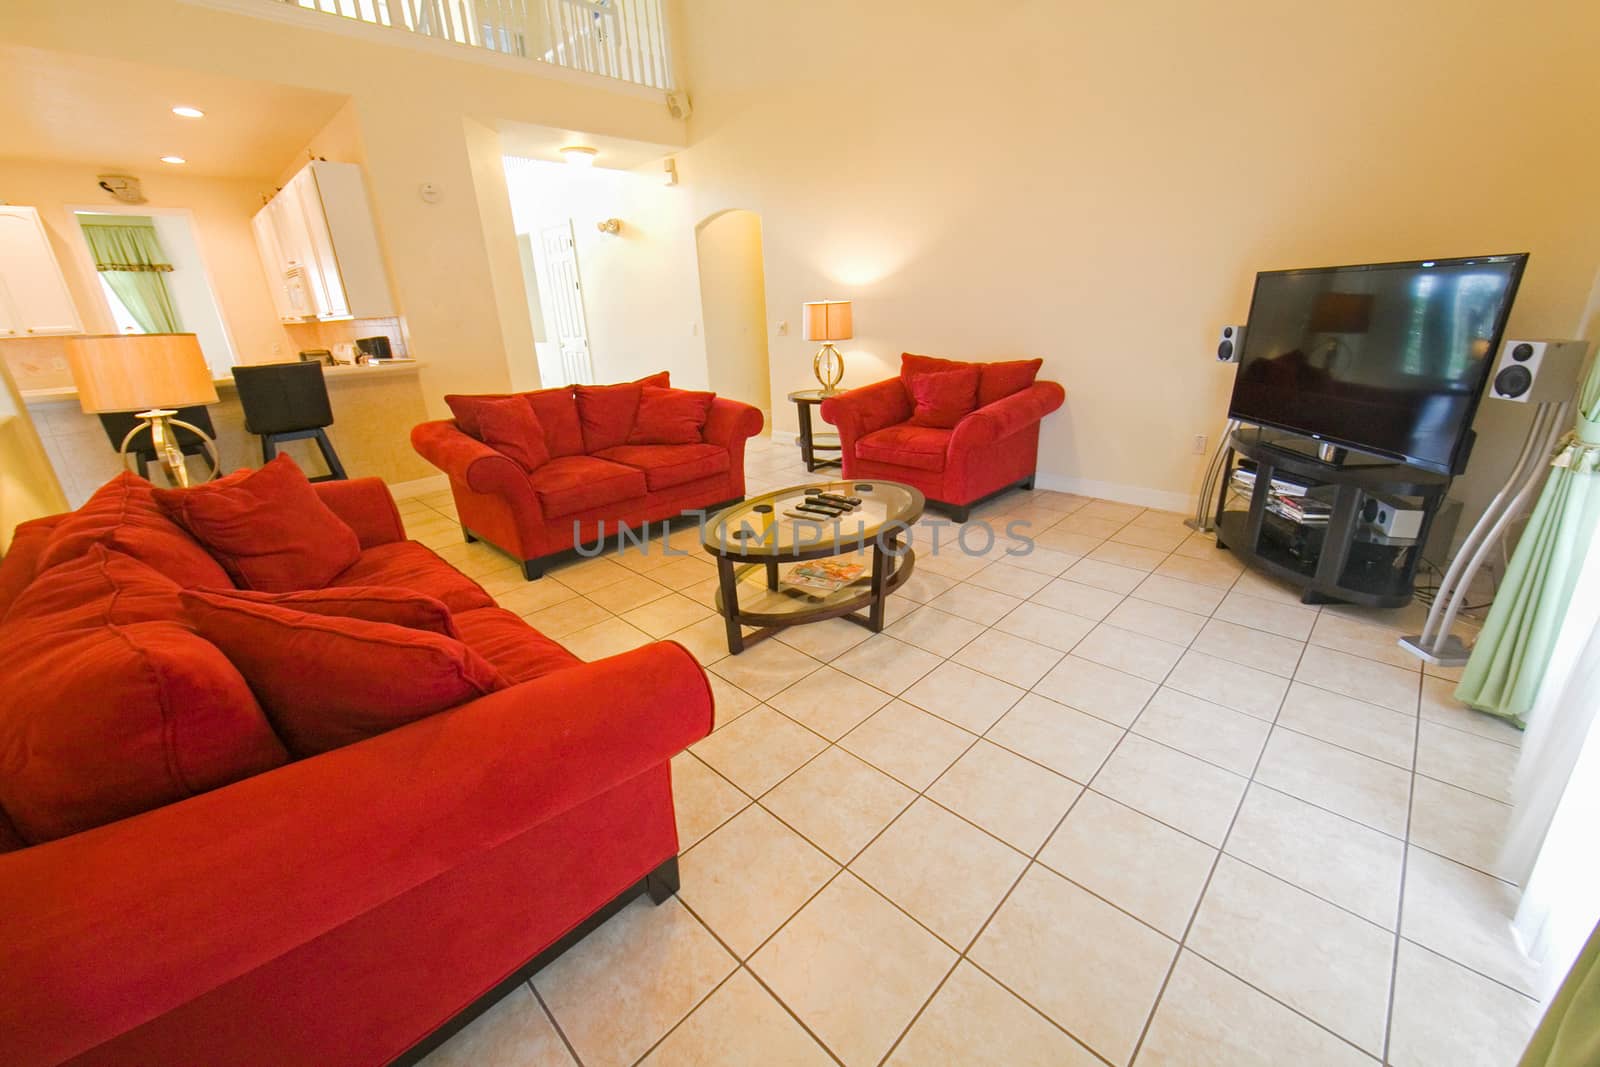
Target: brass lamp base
x=160 y=423
x=828 y=366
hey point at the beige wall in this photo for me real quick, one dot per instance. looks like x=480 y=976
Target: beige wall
x=220 y=210
x=410 y=122
x=1097 y=183
x=641 y=295
x=28 y=486
x=733 y=304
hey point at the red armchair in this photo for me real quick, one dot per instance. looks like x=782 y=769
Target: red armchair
x=991 y=449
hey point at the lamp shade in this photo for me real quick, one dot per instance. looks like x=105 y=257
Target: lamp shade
x=134 y=371
x=828 y=320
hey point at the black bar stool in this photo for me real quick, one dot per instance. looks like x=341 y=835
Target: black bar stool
x=117 y=425
x=288 y=402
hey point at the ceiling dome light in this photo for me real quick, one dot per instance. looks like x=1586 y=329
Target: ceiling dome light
x=185 y=111
x=173 y=159
x=579 y=155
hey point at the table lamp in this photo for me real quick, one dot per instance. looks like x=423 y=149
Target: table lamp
x=828 y=321
x=149 y=374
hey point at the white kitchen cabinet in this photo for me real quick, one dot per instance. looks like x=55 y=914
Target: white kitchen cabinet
x=320 y=248
x=34 y=298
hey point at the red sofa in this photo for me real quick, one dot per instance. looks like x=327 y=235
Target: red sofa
x=587 y=478
x=355 y=906
x=988 y=448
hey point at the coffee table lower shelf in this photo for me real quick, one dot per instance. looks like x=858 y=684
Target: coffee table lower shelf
x=773 y=606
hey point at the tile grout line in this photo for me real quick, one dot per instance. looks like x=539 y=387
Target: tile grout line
x=1400 y=914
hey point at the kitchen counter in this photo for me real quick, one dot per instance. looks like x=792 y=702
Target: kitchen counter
x=331 y=374
x=374 y=408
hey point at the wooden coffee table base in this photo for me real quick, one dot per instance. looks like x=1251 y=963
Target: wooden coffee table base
x=889 y=572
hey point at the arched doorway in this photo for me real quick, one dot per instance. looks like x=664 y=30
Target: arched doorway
x=733 y=306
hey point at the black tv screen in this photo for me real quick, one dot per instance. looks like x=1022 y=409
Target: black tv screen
x=1387 y=358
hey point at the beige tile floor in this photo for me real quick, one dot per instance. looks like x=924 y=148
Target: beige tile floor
x=1117 y=801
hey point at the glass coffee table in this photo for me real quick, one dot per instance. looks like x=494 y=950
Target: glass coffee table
x=752 y=540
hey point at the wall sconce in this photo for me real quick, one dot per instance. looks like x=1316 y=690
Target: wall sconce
x=669 y=172
x=611 y=226
x=579 y=155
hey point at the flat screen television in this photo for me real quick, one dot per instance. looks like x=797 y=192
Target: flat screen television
x=1385 y=358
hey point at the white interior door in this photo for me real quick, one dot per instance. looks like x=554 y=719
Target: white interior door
x=563 y=303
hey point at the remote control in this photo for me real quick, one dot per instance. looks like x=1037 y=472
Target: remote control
x=809 y=516
x=818 y=504
x=852 y=501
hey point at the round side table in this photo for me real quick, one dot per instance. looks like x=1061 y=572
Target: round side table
x=811 y=443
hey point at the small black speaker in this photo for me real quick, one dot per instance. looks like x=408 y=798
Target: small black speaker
x=1229 y=343
x=1537 y=372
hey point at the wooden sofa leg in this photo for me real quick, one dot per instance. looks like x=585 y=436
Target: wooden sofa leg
x=663 y=881
x=533 y=569
x=960 y=514
x=1027 y=483
x=471 y=539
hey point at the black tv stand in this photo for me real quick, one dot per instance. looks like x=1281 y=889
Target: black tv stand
x=1341 y=559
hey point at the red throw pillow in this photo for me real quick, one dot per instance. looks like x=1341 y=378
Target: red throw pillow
x=326 y=682
x=467 y=407
x=113 y=705
x=995 y=380
x=123 y=515
x=671 y=417
x=511 y=428
x=267 y=527
x=944 y=398
x=999 y=380
x=607 y=413
x=371 y=603
x=661 y=379
x=557 y=412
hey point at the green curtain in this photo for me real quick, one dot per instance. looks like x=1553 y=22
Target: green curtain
x=130 y=256
x=1502 y=677
x=1569 y=1033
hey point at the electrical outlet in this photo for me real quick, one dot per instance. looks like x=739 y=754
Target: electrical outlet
x=783 y=327
x=1199 y=444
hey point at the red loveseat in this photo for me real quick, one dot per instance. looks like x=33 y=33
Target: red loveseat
x=352 y=907
x=957 y=453
x=590 y=469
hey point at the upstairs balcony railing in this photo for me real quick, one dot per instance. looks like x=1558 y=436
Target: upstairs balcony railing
x=622 y=39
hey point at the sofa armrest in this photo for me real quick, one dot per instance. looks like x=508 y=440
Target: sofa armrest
x=1006 y=416
x=730 y=421
x=367 y=507
x=109 y=928
x=468 y=460
x=859 y=412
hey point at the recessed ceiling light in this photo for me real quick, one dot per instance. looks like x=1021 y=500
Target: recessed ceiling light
x=579 y=155
x=173 y=159
x=188 y=112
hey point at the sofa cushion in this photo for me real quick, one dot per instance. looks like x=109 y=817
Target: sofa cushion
x=514 y=648
x=943 y=398
x=326 y=682
x=557 y=412
x=607 y=413
x=906 y=445
x=415 y=567
x=372 y=603
x=511 y=428
x=267 y=527
x=570 y=484
x=665 y=466
x=20 y=564
x=123 y=515
x=115 y=705
x=467 y=407
x=995 y=380
x=671 y=417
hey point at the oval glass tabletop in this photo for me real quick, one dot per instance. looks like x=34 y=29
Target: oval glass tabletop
x=771 y=526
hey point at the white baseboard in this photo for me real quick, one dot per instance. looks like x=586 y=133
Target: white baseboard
x=1123 y=494
x=433 y=483
x=784 y=437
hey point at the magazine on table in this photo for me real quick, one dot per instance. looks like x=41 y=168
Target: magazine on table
x=826 y=575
